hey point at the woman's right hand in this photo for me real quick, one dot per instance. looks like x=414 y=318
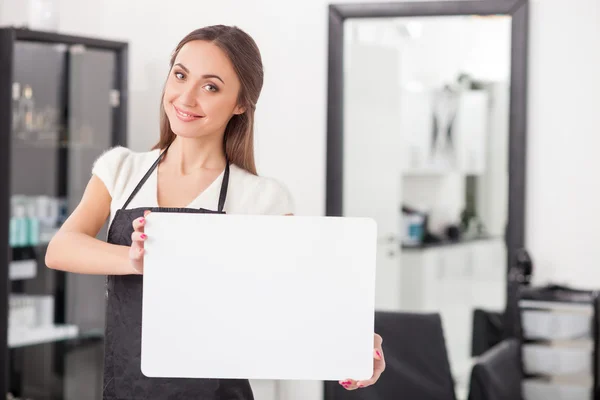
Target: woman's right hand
x=136 y=251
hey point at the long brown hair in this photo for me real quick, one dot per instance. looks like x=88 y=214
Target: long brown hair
x=243 y=53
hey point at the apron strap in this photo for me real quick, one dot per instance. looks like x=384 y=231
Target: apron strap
x=224 y=185
x=144 y=178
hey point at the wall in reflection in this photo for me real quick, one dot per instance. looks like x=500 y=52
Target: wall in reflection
x=425 y=154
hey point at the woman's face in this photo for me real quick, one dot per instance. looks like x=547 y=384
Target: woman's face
x=201 y=91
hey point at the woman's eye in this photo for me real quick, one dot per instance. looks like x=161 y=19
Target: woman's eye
x=179 y=75
x=211 y=88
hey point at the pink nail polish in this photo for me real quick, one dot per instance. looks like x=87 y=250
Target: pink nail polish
x=378 y=353
x=142 y=220
x=143 y=236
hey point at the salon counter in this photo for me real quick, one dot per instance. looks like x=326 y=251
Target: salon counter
x=446 y=243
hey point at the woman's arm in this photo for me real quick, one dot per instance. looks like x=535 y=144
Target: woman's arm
x=75 y=248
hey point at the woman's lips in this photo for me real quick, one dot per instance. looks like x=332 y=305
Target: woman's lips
x=186 y=116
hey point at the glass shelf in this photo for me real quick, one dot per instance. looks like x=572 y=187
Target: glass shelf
x=23 y=258
x=46 y=334
x=22 y=269
x=69 y=334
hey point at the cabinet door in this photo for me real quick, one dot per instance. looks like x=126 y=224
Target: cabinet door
x=264 y=389
x=454 y=276
x=416 y=125
x=92 y=75
x=471 y=129
x=454 y=282
x=419 y=279
x=37 y=182
x=489 y=274
x=91 y=82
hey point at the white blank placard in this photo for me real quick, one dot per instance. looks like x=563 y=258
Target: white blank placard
x=258 y=297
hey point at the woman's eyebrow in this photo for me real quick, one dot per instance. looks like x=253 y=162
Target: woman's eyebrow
x=206 y=76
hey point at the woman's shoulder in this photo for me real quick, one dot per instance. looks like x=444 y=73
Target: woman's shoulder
x=118 y=155
x=255 y=194
x=115 y=166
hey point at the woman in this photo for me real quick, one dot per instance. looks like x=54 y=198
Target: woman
x=203 y=162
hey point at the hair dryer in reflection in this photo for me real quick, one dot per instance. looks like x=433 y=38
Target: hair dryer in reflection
x=522 y=269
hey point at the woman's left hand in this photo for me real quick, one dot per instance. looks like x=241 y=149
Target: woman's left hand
x=378 y=368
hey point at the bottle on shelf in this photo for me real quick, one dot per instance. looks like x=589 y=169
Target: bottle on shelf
x=35 y=219
x=33 y=223
x=28 y=106
x=18 y=223
x=16 y=114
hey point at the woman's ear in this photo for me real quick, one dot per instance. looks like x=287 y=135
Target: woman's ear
x=239 y=110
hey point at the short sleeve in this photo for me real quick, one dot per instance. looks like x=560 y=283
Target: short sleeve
x=275 y=198
x=108 y=166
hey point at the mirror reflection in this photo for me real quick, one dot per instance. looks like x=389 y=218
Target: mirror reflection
x=426 y=119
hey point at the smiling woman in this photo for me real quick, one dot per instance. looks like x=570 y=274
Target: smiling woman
x=216 y=85
x=202 y=163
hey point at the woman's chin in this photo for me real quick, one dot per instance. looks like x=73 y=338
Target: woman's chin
x=188 y=134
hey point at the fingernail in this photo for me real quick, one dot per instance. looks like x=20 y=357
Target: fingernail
x=359 y=385
x=142 y=220
x=378 y=354
x=143 y=236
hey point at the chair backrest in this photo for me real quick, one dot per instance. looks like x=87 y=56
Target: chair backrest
x=417 y=365
x=497 y=374
x=488 y=330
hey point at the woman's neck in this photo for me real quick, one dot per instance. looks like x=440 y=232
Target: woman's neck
x=189 y=155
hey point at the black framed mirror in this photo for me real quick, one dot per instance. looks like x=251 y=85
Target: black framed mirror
x=427 y=106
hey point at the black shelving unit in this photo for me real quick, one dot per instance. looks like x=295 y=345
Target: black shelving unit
x=63 y=101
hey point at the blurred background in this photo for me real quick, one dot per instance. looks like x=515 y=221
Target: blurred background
x=426 y=126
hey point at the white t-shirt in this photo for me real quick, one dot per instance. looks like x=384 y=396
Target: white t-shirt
x=121 y=169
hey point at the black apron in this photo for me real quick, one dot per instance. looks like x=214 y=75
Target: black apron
x=123 y=379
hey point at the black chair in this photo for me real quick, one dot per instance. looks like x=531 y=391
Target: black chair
x=488 y=330
x=417 y=366
x=497 y=374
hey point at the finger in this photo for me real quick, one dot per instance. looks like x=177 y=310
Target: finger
x=138 y=224
x=138 y=237
x=378 y=353
x=378 y=341
x=349 y=384
x=378 y=369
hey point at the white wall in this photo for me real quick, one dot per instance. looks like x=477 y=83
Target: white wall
x=563 y=194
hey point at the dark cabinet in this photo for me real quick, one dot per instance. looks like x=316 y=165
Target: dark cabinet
x=62 y=103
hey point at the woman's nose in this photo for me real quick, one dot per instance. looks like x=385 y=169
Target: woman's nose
x=188 y=97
